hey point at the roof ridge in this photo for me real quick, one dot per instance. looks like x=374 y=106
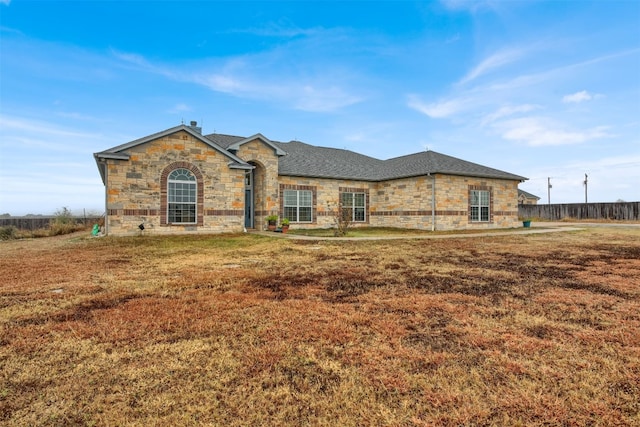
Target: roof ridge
x=224 y=134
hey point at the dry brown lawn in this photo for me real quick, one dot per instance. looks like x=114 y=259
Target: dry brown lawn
x=248 y=330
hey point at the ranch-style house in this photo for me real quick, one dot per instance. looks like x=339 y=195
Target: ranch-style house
x=181 y=181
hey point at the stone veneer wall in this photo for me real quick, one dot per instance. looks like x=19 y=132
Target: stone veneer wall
x=406 y=203
x=265 y=182
x=326 y=196
x=135 y=191
x=403 y=203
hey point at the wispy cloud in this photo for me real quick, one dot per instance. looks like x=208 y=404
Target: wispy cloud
x=437 y=110
x=283 y=28
x=554 y=72
x=27 y=126
x=541 y=131
x=468 y=5
x=579 y=97
x=244 y=77
x=75 y=116
x=497 y=60
x=180 y=108
x=5 y=2
x=508 y=110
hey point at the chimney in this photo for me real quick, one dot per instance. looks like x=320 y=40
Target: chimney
x=194 y=125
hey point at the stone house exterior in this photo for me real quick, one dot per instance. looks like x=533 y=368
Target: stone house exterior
x=181 y=181
x=525 y=198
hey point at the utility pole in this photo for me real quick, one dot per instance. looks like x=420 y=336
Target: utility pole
x=585 y=188
x=549 y=190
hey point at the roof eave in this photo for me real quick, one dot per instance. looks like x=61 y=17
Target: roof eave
x=235 y=165
x=112 y=156
x=267 y=141
x=509 y=177
x=319 y=176
x=116 y=153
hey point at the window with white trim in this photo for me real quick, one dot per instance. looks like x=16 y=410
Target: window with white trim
x=182 y=197
x=298 y=205
x=479 y=205
x=353 y=206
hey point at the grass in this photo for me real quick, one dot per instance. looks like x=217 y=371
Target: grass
x=251 y=330
x=357 y=232
x=386 y=232
x=55 y=229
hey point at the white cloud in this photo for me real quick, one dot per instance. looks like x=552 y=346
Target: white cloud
x=468 y=5
x=318 y=91
x=578 y=97
x=5 y=2
x=496 y=60
x=508 y=110
x=610 y=178
x=180 y=108
x=75 y=116
x=316 y=96
x=437 y=110
x=539 y=131
x=282 y=29
x=324 y=98
x=222 y=83
x=35 y=127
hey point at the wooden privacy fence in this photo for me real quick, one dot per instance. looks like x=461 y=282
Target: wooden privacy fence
x=618 y=211
x=40 y=222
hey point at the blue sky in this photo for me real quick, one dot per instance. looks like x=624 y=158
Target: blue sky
x=539 y=89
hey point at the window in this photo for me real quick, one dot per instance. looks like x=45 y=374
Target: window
x=479 y=204
x=353 y=206
x=298 y=205
x=182 y=197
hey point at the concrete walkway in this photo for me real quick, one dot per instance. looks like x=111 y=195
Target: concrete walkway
x=541 y=228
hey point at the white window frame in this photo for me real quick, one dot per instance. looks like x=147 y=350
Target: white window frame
x=480 y=205
x=352 y=207
x=182 y=192
x=303 y=200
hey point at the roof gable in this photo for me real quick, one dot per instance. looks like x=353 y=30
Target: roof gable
x=234 y=142
x=527 y=195
x=119 y=152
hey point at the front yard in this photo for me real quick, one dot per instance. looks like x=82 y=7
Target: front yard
x=251 y=330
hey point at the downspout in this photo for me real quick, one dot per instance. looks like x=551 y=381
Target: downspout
x=433 y=202
x=106 y=198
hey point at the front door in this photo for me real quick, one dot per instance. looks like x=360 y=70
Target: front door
x=248 y=199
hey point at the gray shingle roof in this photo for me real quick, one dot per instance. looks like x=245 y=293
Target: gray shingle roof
x=322 y=162
x=434 y=162
x=527 y=195
x=306 y=160
x=224 y=141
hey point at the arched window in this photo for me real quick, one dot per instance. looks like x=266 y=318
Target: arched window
x=182 y=196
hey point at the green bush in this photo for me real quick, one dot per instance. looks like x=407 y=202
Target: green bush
x=64 y=223
x=58 y=229
x=8 y=233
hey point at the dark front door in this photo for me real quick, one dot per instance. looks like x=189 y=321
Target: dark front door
x=248 y=200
